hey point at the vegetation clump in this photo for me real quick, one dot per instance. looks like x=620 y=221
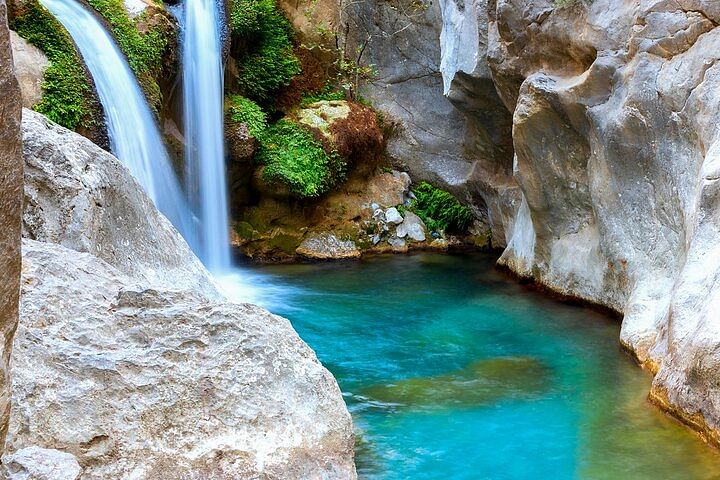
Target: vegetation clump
x=243 y=110
x=145 y=51
x=292 y=157
x=68 y=97
x=269 y=62
x=440 y=210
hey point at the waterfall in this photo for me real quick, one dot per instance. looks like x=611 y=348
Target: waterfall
x=134 y=135
x=204 y=151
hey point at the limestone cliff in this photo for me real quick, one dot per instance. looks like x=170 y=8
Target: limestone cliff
x=613 y=196
x=10 y=211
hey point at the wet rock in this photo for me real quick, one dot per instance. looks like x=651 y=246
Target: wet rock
x=326 y=246
x=35 y=463
x=398 y=245
x=30 y=66
x=480 y=383
x=11 y=184
x=393 y=216
x=412 y=227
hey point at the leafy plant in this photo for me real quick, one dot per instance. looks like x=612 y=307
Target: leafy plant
x=295 y=159
x=67 y=93
x=270 y=63
x=440 y=210
x=243 y=110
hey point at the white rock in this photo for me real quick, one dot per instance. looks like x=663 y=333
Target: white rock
x=393 y=216
x=411 y=227
x=35 y=463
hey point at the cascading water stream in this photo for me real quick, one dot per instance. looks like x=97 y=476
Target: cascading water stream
x=134 y=135
x=204 y=151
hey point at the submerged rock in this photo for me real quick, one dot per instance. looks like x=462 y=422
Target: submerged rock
x=130 y=360
x=480 y=383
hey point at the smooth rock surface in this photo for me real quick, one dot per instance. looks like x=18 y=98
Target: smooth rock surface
x=11 y=181
x=393 y=216
x=30 y=66
x=412 y=227
x=615 y=114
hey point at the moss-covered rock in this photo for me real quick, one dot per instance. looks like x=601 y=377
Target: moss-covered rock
x=68 y=94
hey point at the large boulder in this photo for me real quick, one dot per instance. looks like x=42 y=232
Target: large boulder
x=83 y=198
x=130 y=360
x=10 y=211
x=160 y=384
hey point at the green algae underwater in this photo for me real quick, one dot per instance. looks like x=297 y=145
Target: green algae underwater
x=452 y=370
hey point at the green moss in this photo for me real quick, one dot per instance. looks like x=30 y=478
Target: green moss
x=243 y=110
x=146 y=51
x=440 y=210
x=294 y=159
x=269 y=63
x=67 y=92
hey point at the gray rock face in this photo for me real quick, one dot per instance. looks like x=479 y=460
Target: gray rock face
x=30 y=66
x=83 y=198
x=151 y=375
x=393 y=216
x=11 y=175
x=326 y=247
x=616 y=154
x=461 y=142
x=34 y=463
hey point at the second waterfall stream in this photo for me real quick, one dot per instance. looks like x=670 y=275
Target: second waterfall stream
x=134 y=136
x=204 y=142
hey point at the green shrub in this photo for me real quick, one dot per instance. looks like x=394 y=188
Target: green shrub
x=67 y=93
x=440 y=210
x=269 y=63
x=294 y=159
x=145 y=52
x=243 y=110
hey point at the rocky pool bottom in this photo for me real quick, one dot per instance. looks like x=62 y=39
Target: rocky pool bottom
x=452 y=370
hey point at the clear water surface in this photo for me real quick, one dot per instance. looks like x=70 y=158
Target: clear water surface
x=452 y=371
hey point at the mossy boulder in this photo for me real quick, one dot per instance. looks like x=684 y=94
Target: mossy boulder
x=350 y=129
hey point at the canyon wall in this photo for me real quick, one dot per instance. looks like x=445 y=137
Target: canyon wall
x=11 y=171
x=611 y=195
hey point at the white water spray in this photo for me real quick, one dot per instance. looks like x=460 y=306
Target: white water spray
x=204 y=151
x=134 y=135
